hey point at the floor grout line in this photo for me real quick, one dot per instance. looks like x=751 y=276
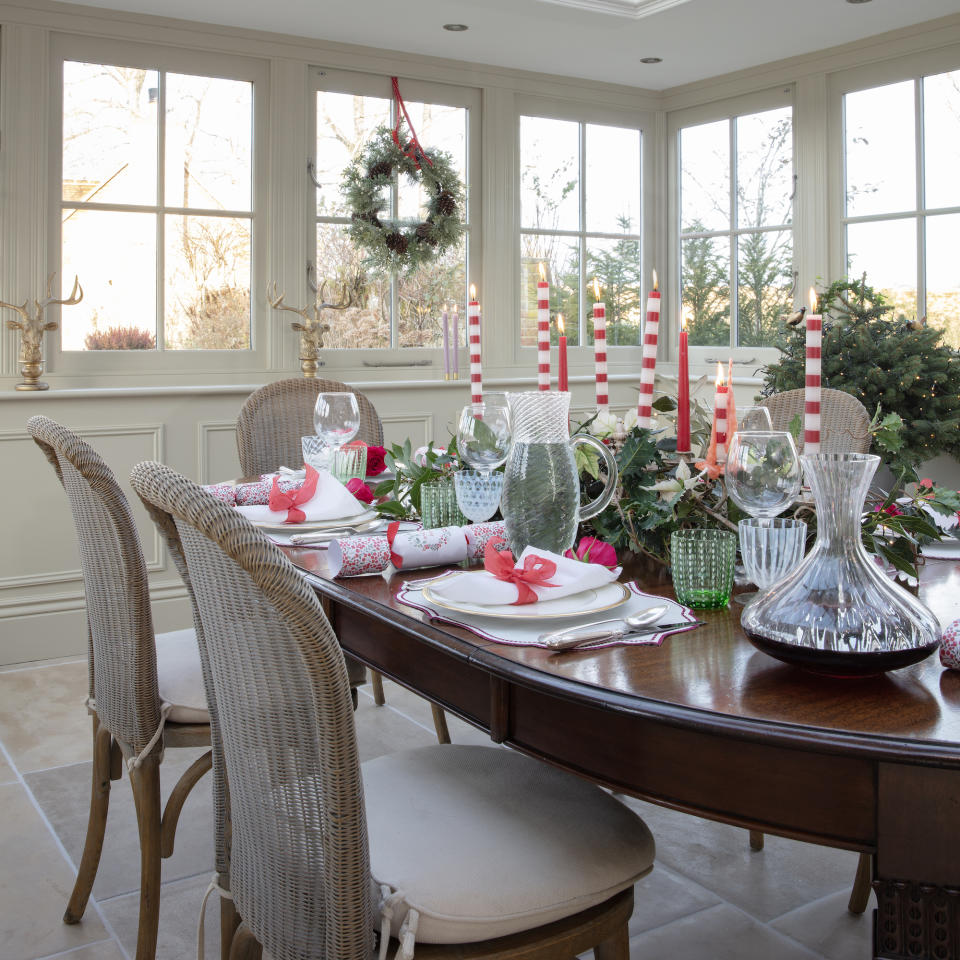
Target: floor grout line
x=40 y=666
x=66 y=953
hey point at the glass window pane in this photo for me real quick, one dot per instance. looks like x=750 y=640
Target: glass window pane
x=438 y=128
x=109 y=133
x=705 y=177
x=367 y=323
x=561 y=259
x=344 y=123
x=616 y=264
x=881 y=150
x=887 y=252
x=209 y=138
x=207 y=288
x=549 y=174
x=941 y=123
x=612 y=179
x=764 y=286
x=115 y=257
x=943 y=275
x=765 y=168
x=705 y=281
x=422 y=295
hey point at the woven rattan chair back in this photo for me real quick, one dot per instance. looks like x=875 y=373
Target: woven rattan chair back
x=299 y=858
x=844 y=421
x=122 y=655
x=275 y=417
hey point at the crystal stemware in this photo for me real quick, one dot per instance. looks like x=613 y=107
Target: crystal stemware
x=484 y=432
x=336 y=418
x=751 y=419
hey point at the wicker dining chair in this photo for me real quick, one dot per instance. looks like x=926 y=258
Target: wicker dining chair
x=271 y=422
x=844 y=420
x=145 y=692
x=479 y=847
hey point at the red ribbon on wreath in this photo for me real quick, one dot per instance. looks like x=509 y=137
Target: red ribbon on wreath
x=288 y=499
x=414 y=151
x=535 y=570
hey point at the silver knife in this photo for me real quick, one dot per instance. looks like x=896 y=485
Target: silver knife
x=572 y=639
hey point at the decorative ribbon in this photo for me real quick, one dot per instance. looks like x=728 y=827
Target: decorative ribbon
x=392 y=530
x=288 y=499
x=414 y=151
x=535 y=570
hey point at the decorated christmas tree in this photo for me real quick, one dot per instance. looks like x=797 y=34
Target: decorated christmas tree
x=900 y=366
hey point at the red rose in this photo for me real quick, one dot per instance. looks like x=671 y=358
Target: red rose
x=360 y=490
x=375 y=460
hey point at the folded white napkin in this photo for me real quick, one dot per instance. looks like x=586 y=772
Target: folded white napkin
x=481 y=587
x=332 y=501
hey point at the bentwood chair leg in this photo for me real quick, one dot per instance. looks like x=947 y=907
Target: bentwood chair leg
x=616 y=947
x=756 y=840
x=96 y=824
x=860 y=894
x=229 y=921
x=376 y=681
x=145 y=781
x=440 y=724
x=245 y=946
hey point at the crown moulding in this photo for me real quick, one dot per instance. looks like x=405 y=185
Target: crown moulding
x=632 y=9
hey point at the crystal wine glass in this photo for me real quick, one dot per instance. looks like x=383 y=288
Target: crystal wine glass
x=483 y=441
x=751 y=419
x=336 y=418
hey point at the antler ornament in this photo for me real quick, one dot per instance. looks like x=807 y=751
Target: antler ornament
x=32 y=327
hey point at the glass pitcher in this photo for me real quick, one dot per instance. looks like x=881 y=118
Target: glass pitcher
x=541 y=486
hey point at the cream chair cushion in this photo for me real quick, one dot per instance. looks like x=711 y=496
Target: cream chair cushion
x=483 y=842
x=180 y=678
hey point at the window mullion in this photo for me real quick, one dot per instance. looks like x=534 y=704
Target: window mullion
x=161 y=225
x=395 y=213
x=734 y=244
x=919 y=135
x=581 y=321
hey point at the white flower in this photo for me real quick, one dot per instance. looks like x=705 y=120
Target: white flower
x=679 y=483
x=630 y=419
x=420 y=454
x=604 y=424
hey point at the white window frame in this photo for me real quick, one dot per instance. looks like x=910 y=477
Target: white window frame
x=393 y=358
x=169 y=59
x=704 y=359
x=581 y=357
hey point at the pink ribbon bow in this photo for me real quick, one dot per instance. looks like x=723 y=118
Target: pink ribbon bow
x=535 y=570
x=288 y=499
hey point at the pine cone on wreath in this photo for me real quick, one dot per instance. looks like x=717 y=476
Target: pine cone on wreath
x=446 y=204
x=424 y=233
x=382 y=169
x=396 y=242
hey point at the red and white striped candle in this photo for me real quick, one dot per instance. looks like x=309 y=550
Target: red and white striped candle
x=720 y=414
x=600 y=348
x=811 y=407
x=543 y=331
x=648 y=370
x=473 y=340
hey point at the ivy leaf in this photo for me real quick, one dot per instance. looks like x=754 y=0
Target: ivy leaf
x=664 y=404
x=587 y=461
x=889 y=433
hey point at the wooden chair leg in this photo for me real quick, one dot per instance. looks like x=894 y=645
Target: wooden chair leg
x=756 y=840
x=376 y=681
x=245 y=946
x=229 y=921
x=440 y=724
x=179 y=794
x=145 y=781
x=96 y=824
x=860 y=894
x=616 y=947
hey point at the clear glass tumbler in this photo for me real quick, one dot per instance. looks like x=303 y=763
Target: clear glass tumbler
x=316 y=453
x=702 y=562
x=438 y=505
x=771 y=547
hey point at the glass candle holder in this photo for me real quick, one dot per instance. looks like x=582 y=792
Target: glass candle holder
x=438 y=505
x=702 y=563
x=349 y=462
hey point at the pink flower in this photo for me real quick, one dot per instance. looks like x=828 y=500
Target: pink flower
x=893 y=510
x=375 y=460
x=360 y=490
x=927 y=482
x=592 y=550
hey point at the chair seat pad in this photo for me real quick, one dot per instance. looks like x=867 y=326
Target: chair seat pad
x=484 y=842
x=180 y=677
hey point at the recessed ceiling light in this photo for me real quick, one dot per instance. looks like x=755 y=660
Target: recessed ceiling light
x=455 y=27
x=651 y=59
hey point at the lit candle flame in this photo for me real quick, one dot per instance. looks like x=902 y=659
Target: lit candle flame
x=684 y=317
x=813 y=300
x=543 y=272
x=719 y=374
x=596 y=289
x=655 y=287
x=560 y=323
x=473 y=291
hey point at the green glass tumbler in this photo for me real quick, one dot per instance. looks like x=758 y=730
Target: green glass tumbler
x=703 y=562
x=438 y=504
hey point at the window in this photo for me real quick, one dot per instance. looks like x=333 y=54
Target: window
x=157 y=200
x=580 y=215
x=735 y=227
x=901 y=215
x=390 y=311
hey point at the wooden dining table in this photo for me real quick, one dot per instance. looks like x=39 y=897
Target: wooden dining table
x=707 y=724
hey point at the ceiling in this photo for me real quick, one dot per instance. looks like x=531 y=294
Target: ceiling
x=594 y=39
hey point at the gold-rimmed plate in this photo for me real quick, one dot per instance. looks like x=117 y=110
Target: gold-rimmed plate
x=315 y=526
x=583 y=604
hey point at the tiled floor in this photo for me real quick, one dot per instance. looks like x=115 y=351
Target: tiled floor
x=709 y=898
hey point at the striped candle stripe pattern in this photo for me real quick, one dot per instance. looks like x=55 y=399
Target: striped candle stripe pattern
x=811 y=407
x=473 y=341
x=721 y=412
x=543 y=335
x=600 y=355
x=651 y=334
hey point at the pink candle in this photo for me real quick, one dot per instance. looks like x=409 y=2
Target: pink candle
x=811 y=407
x=562 y=381
x=720 y=415
x=473 y=339
x=455 y=356
x=648 y=369
x=543 y=331
x=446 y=344
x=683 y=390
x=600 y=348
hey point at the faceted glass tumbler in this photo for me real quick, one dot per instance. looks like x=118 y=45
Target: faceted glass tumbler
x=438 y=505
x=702 y=563
x=316 y=453
x=478 y=493
x=349 y=462
x=771 y=547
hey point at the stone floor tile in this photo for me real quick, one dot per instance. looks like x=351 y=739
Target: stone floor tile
x=717 y=933
x=43 y=722
x=35 y=884
x=827 y=927
x=382 y=730
x=105 y=950
x=7 y=773
x=664 y=896
x=31 y=664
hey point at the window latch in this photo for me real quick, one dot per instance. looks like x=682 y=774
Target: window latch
x=398 y=363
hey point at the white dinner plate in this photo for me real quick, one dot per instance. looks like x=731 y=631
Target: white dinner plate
x=582 y=604
x=311 y=526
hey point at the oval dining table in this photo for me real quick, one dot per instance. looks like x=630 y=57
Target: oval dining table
x=707 y=724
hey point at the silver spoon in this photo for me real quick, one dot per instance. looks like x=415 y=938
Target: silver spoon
x=566 y=639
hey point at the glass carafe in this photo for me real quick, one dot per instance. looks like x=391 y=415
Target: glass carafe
x=541 y=486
